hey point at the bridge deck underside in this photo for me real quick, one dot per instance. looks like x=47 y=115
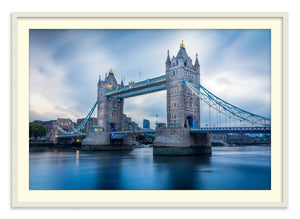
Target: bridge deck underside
x=72 y=136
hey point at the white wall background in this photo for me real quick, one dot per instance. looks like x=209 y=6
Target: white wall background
x=6 y=7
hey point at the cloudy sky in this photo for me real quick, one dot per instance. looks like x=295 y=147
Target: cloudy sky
x=65 y=66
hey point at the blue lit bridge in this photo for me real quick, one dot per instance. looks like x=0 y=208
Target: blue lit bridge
x=158 y=84
x=185 y=95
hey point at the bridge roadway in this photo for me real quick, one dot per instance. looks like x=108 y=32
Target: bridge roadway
x=246 y=130
x=213 y=130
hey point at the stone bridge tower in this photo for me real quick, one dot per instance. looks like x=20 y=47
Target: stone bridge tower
x=183 y=107
x=110 y=118
x=183 y=110
x=110 y=109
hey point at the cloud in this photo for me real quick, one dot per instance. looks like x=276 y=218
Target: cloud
x=65 y=66
x=242 y=76
x=62 y=75
x=147 y=107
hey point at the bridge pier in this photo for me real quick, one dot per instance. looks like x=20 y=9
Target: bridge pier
x=101 y=141
x=179 y=141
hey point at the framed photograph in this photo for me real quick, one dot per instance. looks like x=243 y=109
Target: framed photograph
x=149 y=110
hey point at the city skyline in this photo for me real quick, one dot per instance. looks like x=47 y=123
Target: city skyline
x=65 y=66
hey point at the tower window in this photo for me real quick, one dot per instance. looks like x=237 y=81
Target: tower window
x=174 y=91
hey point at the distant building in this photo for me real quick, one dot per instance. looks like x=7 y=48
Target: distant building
x=128 y=124
x=146 y=124
x=48 y=127
x=219 y=137
x=234 y=139
x=248 y=139
x=126 y=120
x=65 y=124
x=79 y=121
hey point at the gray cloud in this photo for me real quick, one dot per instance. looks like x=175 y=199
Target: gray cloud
x=65 y=65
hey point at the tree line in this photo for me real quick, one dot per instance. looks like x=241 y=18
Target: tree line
x=37 y=130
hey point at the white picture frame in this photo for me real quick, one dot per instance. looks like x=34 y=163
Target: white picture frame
x=23 y=197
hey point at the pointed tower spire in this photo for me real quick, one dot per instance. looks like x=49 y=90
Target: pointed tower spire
x=122 y=83
x=196 y=62
x=168 y=62
x=168 y=58
x=99 y=81
x=182 y=56
x=105 y=79
x=197 y=65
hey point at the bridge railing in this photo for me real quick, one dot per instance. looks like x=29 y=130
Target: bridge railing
x=266 y=129
x=232 y=128
x=157 y=79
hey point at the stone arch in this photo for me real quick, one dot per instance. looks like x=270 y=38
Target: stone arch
x=113 y=127
x=189 y=122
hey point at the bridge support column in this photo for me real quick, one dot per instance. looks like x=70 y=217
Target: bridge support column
x=100 y=141
x=97 y=138
x=179 y=141
x=129 y=140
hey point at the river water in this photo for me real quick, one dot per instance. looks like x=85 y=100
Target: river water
x=229 y=168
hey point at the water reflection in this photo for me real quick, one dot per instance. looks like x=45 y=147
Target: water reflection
x=177 y=172
x=228 y=168
x=77 y=157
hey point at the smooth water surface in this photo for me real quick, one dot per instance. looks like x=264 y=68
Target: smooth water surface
x=229 y=168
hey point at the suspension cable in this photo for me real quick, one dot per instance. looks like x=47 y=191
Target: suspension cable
x=225 y=107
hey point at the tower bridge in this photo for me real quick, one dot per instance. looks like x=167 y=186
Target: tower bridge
x=183 y=134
